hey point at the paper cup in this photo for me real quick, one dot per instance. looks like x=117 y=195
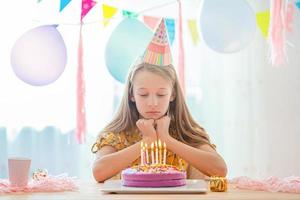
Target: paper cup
x=18 y=168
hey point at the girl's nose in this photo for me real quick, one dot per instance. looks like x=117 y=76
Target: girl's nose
x=152 y=101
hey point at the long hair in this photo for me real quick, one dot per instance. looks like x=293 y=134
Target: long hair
x=182 y=126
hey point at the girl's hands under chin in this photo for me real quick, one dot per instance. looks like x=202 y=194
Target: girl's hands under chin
x=146 y=126
x=162 y=128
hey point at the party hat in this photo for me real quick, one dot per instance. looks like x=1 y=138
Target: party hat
x=158 y=51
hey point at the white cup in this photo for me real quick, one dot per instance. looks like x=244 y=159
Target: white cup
x=18 y=169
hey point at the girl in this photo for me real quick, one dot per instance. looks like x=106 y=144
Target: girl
x=152 y=108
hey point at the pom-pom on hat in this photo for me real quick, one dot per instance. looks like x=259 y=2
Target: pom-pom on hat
x=158 y=51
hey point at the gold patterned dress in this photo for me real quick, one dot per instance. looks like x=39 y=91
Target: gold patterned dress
x=126 y=139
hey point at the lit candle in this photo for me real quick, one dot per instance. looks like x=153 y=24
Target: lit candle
x=165 y=153
x=147 y=155
x=156 y=153
x=160 y=152
x=152 y=153
x=142 y=154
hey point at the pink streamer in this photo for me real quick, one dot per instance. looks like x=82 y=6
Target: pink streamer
x=289 y=184
x=81 y=123
x=277 y=33
x=57 y=183
x=181 y=51
x=289 y=16
x=281 y=21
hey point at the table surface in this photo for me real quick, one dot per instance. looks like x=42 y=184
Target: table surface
x=91 y=191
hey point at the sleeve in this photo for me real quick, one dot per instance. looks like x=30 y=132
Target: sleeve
x=115 y=140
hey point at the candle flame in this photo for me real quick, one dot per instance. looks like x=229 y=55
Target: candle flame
x=159 y=144
x=165 y=145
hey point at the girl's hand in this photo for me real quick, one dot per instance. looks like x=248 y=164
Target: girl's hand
x=146 y=126
x=162 y=128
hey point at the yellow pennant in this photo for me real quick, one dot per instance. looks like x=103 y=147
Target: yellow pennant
x=193 y=30
x=108 y=13
x=263 y=20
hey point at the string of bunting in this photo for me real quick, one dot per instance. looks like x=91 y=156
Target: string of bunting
x=109 y=13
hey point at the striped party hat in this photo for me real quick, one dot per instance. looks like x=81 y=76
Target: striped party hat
x=158 y=51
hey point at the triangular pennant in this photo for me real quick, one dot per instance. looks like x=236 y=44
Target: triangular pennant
x=170 y=23
x=108 y=12
x=129 y=14
x=263 y=21
x=151 y=22
x=86 y=6
x=193 y=30
x=63 y=4
x=298 y=4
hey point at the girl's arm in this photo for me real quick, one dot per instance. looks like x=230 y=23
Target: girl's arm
x=204 y=158
x=109 y=161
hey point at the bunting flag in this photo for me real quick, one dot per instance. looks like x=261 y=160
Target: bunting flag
x=80 y=116
x=129 y=14
x=39 y=1
x=108 y=13
x=263 y=21
x=170 y=23
x=180 y=50
x=298 y=4
x=192 y=24
x=86 y=6
x=151 y=22
x=63 y=4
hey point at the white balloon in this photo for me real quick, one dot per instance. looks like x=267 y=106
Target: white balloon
x=39 y=56
x=227 y=25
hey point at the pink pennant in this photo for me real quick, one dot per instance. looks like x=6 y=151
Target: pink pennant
x=86 y=6
x=151 y=21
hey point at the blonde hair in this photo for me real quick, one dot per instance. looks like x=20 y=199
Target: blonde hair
x=182 y=126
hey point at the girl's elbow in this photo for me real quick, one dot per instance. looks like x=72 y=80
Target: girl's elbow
x=98 y=174
x=219 y=170
x=222 y=171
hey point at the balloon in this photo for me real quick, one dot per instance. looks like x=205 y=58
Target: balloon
x=39 y=56
x=227 y=26
x=128 y=41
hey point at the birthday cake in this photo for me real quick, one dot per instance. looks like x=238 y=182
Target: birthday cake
x=153 y=176
x=156 y=173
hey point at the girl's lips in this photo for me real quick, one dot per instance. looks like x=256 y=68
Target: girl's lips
x=153 y=112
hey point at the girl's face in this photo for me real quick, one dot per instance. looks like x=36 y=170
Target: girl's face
x=152 y=94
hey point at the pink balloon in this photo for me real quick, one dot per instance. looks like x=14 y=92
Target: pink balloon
x=39 y=56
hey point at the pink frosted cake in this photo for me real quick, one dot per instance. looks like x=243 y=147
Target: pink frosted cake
x=153 y=176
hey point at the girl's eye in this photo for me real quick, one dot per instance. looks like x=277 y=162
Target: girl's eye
x=161 y=95
x=143 y=95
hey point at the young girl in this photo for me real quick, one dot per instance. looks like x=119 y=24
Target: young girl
x=152 y=108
